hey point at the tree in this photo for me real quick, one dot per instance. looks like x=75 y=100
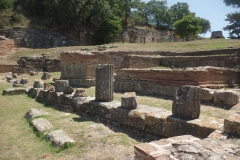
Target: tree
x=6 y=4
x=234 y=3
x=206 y=26
x=158 y=13
x=188 y=26
x=179 y=10
x=234 y=26
x=108 y=30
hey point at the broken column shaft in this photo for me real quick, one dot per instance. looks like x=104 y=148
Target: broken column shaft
x=104 y=83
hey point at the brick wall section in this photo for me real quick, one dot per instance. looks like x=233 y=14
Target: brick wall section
x=78 y=65
x=37 y=64
x=6 y=46
x=179 y=77
x=6 y=68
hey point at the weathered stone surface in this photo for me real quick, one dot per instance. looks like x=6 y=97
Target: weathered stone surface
x=46 y=76
x=32 y=73
x=15 y=91
x=15 y=75
x=46 y=86
x=38 y=84
x=218 y=135
x=186 y=103
x=41 y=124
x=55 y=97
x=226 y=97
x=60 y=85
x=232 y=124
x=81 y=103
x=34 y=112
x=66 y=99
x=129 y=100
x=58 y=138
x=187 y=148
x=217 y=34
x=24 y=81
x=104 y=83
x=206 y=94
x=68 y=90
x=33 y=92
x=80 y=92
x=17 y=85
x=8 y=77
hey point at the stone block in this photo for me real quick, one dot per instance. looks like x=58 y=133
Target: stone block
x=32 y=73
x=66 y=99
x=55 y=97
x=129 y=100
x=15 y=91
x=65 y=108
x=232 y=124
x=68 y=90
x=24 y=81
x=226 y=97
x=34 y=112
x=80 y=92
x=81 y=103
x=41 y=124
x=217 y=134
x=33 y=92
x=46 y=76
x=58 y=138
x=119 y=114
x=38 y=84
x=60 y=85
x=206 y=94
x=104 y=83
x=186 y=103
x=17 y=85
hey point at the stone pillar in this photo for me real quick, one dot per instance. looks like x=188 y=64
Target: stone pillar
x=60 y=85
x=104 y=83
x=186 y=103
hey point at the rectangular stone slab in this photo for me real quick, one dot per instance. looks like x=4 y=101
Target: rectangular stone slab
x=58 y=138
x=41 y=124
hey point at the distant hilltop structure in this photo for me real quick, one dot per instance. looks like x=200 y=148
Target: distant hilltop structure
x=217 y=34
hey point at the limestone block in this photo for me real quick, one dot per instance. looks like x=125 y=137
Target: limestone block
x=78 y=103
x=33 y=92
x=9 y=77
x=60 y=85
x=217 y=134
x=129 y=100
x=80 y=92
x=55 y=97
x=65 y=108
x=32 y=73
x=34 y=112
x=41 y=124
x=15 y=91
x=15 y=75
x=232 y=124
x=66 y=99
x=38 y=84
x=186 y=103
x=17 y=85
x=206 y=94
x=24 y=81
x=68 y=90
x=119 y=114
x=226 y=97
x=46 y=76
x=58 y=138
x=104 y=83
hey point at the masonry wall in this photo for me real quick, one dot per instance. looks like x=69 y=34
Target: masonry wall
x=37 y=64
x=7 y=68
x=166 y=82
x=6 y=45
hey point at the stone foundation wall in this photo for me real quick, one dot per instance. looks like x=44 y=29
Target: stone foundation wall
x=166 y=82
x=6 y=45
x=37 y=64
x=7 y=68
x=79 y=68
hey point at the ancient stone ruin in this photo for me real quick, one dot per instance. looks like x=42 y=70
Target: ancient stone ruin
x=217 y=34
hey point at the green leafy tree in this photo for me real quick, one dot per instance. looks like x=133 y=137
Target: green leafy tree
x=206 y=26
x=109 y=29
x=234 y=25
x=158 y=13
x=188 y=26
x=179 y=10
x=234 y=3
x=140 y=15
x=6 y=4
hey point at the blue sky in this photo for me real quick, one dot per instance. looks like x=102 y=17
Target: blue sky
x=213 y=10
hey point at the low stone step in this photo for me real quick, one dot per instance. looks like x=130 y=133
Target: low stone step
x=58 y=138
x=15 y=91
x=34 y=112
x=41 y=124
